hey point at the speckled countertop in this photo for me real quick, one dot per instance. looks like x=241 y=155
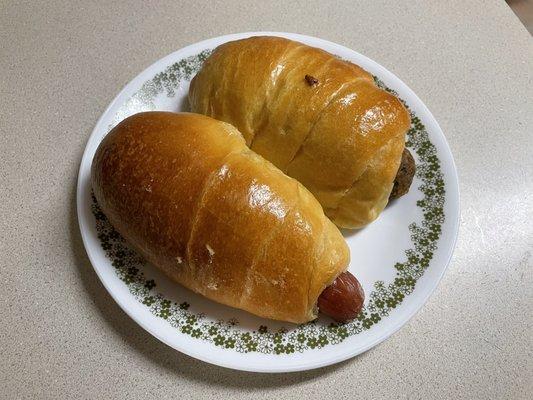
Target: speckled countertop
x=61 y=63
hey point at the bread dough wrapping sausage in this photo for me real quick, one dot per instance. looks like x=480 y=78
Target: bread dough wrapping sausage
x=319 y=119
x=186 y=192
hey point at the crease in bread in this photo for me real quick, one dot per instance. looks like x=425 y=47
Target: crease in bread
x=261 y=254
x=324 y=134
x=331 y=99
x=189 y=195
x=199 y=204
x=319 y=251
x=365 y=195
x=263 y=115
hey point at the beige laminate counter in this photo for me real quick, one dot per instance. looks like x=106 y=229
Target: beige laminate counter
x=61 y=63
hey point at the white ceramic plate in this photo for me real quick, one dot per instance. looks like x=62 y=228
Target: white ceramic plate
x=399 y=259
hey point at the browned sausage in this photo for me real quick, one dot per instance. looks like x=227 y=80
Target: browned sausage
x=404 y=176
x=343 y=299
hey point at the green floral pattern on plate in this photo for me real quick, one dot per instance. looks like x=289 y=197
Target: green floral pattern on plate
x=313 y=335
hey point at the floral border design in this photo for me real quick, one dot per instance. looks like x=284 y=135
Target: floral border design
x=382 y=300
x=166 y=81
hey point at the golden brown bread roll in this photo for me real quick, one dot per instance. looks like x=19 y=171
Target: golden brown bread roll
x=189 y=195
x=319 y=119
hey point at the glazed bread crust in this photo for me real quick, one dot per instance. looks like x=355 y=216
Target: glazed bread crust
x=188 y=194
x=319 y=119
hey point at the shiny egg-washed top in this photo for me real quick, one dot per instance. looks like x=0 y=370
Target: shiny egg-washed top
x=319 y=119
x=189 y=195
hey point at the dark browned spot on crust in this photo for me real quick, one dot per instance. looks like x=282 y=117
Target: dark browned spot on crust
x=311 y=80
x=404 y=177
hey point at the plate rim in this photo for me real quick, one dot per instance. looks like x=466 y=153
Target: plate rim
x=452 y=188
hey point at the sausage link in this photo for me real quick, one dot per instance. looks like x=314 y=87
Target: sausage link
x=343 y=299
x=404 y=176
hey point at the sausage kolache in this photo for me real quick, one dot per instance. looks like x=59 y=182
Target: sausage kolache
x=186 y=193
